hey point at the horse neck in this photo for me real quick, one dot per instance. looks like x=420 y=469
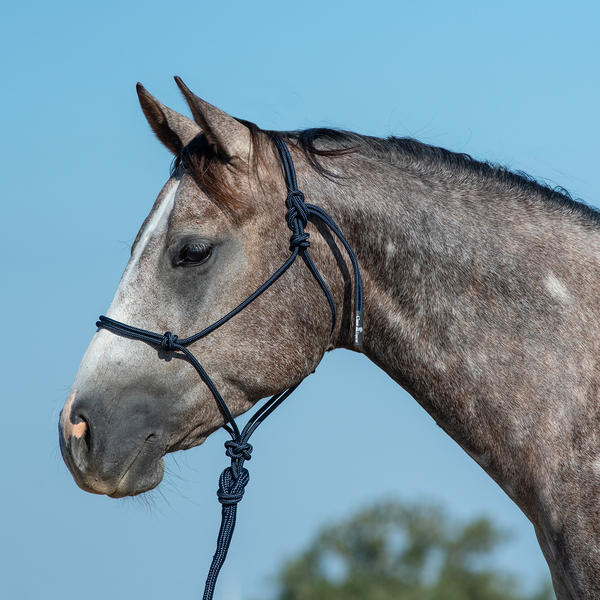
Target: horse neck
x=466 y=287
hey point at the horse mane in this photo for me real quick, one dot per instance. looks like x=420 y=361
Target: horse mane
x=205 y=164
x=319 y=142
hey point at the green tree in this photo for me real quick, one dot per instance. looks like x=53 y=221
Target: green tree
x=394 y=551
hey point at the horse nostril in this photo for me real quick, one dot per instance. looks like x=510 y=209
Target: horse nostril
x=80 y=438
x=84 y=433
x=79 y=429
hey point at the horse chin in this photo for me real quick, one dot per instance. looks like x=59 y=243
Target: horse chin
x=135 y=483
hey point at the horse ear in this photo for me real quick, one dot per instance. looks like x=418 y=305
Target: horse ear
x=230 y=138
x=174 y=130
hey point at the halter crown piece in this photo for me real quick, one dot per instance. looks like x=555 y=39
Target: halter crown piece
x=233 y=479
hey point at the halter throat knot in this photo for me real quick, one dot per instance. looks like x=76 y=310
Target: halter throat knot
x=238 y=450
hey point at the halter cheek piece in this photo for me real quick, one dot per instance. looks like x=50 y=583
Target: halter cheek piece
x=233 y=479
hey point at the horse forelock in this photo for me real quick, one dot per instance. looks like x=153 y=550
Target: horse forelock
x=202 y=160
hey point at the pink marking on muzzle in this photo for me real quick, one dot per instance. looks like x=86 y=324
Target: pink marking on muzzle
x=69 y=428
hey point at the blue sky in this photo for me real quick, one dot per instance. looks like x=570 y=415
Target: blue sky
x=513 y=82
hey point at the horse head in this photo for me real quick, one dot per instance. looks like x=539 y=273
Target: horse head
x=216 y=232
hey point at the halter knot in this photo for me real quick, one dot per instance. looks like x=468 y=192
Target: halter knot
x=297 y=208
x=299 y=240
x=237 y=450
x=231 y=489
x=168 y=342
x=297 y=218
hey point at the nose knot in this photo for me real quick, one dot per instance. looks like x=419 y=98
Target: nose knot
x=236 y=450
x=168 y=342
x=231 y=488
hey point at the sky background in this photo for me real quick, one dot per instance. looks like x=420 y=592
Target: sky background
x=510 y=82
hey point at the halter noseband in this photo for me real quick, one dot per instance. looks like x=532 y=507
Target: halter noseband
x=233 y=479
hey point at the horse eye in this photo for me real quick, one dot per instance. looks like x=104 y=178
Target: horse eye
x=194 y=254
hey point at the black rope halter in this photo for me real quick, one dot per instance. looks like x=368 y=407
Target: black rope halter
x=233 y=479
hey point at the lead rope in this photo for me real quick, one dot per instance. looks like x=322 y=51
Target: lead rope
x=233 y=479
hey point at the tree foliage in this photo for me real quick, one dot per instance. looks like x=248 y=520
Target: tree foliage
x=394 y=551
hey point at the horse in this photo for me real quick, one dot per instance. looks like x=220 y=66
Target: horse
x=480 y=299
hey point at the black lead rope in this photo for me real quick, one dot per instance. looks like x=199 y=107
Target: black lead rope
x=233 y=479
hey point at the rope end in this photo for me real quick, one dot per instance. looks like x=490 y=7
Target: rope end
x=358 y=328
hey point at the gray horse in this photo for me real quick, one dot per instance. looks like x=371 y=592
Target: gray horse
x=480 y=300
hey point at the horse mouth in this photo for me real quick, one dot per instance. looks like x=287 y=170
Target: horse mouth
x=101 y=475
x=146 y=471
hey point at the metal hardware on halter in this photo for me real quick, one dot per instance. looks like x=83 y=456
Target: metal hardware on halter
x=358 y=328
x=233 y=479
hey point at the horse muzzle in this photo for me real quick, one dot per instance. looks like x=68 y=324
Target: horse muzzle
x=117 y=453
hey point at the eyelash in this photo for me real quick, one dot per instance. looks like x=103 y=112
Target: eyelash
x=194 y=254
